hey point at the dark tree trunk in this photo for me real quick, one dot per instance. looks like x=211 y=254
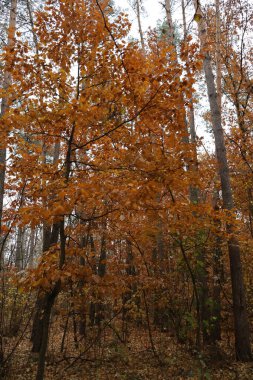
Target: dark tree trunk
x=48 y=303
x=82 y=311
x=100 y=307
x=37 y=328
x=45 y=321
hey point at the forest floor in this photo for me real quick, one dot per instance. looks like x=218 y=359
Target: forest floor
x=106 y=358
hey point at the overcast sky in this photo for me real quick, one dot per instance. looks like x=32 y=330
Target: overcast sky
x=153 y=12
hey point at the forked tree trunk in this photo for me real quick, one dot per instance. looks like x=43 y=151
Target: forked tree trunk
x=241 y=325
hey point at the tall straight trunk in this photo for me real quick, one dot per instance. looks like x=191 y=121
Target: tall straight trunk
x=191 y=109
x=171 y=34
x=138 y=11
x=215 y=330
x=191 y=117
x=4 y=107
x=241 y=325
x=218 y=52
x=218 y=279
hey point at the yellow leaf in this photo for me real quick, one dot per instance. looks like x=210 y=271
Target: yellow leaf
x=197 y=17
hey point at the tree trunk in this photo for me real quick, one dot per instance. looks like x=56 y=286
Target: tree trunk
x=218 y=52
x=82 y=310
x=4 y=107
x=45 y=321
x=33 y=238
x=100 y=307
x=19 y=253
x=48 y=302
x=241 y=325
x=171 y=34
x=50 y=237
x=138 y=11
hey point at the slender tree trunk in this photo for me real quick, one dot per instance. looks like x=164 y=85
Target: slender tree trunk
x=92 y=310
x=30 y=261
x=241 y=325
x=19 y=250
x=218 y=281
x=192 y=128
x=100 y=308
x=130 y=271
x=215 y=331
x=171 y=34
x=218 y=52
x=4 y=107
x=82 y=310
x=30 y=13
x=138 y=11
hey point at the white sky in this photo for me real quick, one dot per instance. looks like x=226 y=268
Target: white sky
x=153 y=12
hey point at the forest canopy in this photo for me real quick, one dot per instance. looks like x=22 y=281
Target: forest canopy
x=121 y=232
